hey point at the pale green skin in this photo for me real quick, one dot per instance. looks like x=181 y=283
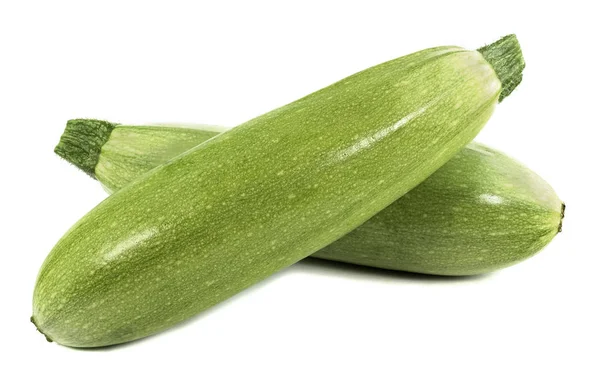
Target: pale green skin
x=260 y=197
x=480 y=212
x=132 y=151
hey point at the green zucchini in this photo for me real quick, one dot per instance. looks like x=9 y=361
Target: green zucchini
x=480 y=212
x=259 y=197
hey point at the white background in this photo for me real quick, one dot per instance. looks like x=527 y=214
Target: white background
x=222 y=63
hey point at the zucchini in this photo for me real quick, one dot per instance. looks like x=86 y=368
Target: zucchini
x=480 y=212
x=258 y=198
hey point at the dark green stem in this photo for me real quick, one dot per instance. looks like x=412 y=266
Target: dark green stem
x=82 y=141
x=506 y=58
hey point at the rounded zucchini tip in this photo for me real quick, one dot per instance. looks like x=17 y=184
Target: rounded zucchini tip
x=32 y=319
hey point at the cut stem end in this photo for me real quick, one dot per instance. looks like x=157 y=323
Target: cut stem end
x=506 y=58
x=82 y=141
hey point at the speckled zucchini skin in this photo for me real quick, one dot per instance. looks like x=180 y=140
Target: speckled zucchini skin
x=480 y=212
x=119 y=161
x=260 y=197
x=131 y=151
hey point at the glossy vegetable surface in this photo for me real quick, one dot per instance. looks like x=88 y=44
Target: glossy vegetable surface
x=480 y=212
x=262 y=196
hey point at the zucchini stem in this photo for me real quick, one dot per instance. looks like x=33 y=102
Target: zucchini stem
x=506 y=58
x=82 y=141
